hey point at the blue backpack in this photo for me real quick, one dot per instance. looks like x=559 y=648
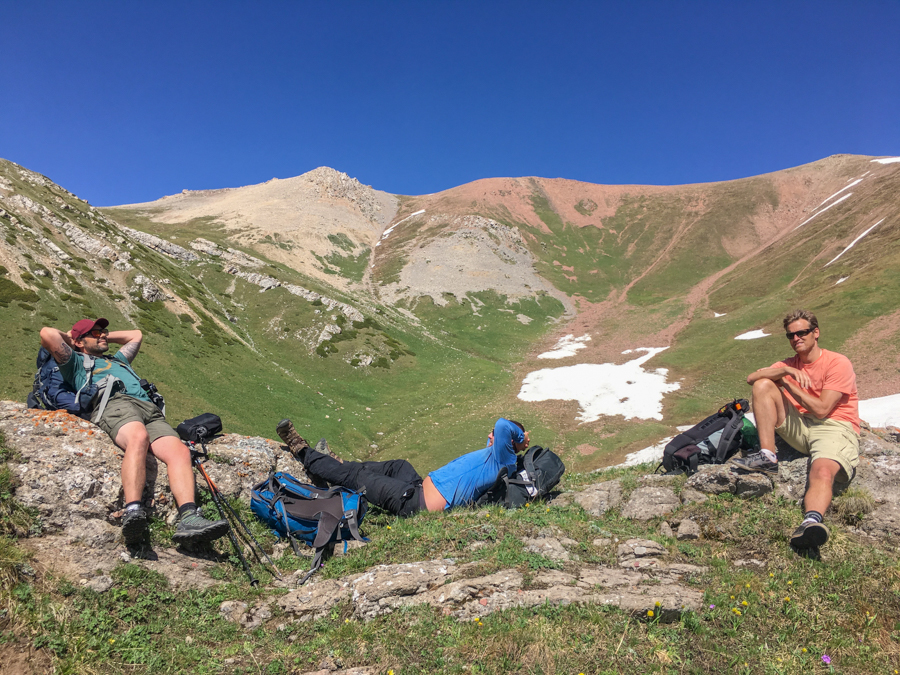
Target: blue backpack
x=318 y=517
x=51 y=392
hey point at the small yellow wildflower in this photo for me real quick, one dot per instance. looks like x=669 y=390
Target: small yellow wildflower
x=659 y=604
x=390 y=672
x=346 y=620
x=746 y=585
x=745 y=603
x=787 y=598
x=771 y=574
x=111 y=640
x=804 y=650
x=790 y=583
x=388 y=527
x=732 y=597
x=487 y=515
x=650 y=613
x=736 y=611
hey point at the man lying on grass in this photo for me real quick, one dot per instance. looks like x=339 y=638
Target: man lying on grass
x=395 y=486
x=810 y=401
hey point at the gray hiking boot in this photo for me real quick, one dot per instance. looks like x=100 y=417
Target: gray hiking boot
x=322 y=447
x=809 y=535
x=756 y=463
x=193 y=528
x=134 y=526
x=297 y=445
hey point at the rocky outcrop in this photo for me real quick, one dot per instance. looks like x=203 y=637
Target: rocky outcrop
x=87 y=243
x=266 y=282
x=445 y=585
x=148 y=291
x=160 y=245
x=227 y=254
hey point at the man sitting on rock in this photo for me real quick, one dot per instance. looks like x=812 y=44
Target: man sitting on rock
x=396 y=487
x=810 y=401
x=134 y=423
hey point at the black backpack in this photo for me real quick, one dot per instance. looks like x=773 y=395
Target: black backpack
x=712 y=441
x=537 y=472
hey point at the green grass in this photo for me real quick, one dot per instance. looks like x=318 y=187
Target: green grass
x=792 y=610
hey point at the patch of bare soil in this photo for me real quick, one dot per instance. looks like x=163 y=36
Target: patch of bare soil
x=875 y=355
x=19 y=657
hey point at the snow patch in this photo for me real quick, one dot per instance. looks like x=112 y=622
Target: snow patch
x=605 y=388
x=887 y=160
x=391 y=228
x=752 y=335
x=857 y=181
x=566 y=346
x=854 y=242
x=841 y=280
x=849 y=194
x=717 y=315
x=881 y=412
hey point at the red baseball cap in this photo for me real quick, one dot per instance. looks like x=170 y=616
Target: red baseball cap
x=85 y=326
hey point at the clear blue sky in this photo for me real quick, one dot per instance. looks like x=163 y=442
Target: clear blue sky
x=128 y=101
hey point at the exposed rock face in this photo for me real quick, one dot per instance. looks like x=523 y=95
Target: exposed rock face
x=87 y=243
x=441 y=583
x=160 y=245
x=148 y=291
x=650 y=502
x=597 y=499
x=266 y=282
x=228 y=254
x=715 y=479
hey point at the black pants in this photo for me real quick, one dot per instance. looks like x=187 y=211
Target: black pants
x=393 y=485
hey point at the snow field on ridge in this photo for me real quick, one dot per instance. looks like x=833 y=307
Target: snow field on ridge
x=604 y=388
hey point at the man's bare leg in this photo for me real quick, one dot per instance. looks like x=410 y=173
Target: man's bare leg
x=768 y=408
x=132 y=438
x=177 y=458
x=812 y=533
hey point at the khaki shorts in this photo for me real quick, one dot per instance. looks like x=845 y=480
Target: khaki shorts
x=829 y=439
x=122 y=409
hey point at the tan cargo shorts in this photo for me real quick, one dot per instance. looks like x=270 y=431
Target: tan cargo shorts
x=829 y=439
x=122 y=409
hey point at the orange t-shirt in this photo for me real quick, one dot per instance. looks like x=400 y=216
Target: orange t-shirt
x=830 y=371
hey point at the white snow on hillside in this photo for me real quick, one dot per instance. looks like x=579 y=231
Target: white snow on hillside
x=717 y=315
x=566 y=346
x=391 y=228
x=752 y=335
x=841 y=280
x=604 y=388
x=851 y=244
x=887 y=160
x=881 y=412
x=849 y=194
x=857 y=181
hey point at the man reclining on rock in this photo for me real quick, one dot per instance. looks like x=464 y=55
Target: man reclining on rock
x=134 y=423
x=810 y=401
x=395 y=486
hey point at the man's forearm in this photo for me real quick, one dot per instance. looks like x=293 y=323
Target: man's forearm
x=774 y=373
x=817 y=406
x=123 y=337
x=58 y=343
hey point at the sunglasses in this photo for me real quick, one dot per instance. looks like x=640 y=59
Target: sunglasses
x=97 y=333
x=799 y=333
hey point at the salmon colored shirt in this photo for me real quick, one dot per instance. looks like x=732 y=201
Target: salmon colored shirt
x=830 y=371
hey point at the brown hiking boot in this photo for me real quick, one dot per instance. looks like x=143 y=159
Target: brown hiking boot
x=296 y=444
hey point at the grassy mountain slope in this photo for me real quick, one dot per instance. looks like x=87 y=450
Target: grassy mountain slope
x=452 y=295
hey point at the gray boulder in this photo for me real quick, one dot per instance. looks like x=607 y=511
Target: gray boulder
x=650 y=502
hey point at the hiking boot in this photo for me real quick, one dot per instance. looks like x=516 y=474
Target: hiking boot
x=193 y=528
x=134 y=526
x=756 y=463
x=322 y=447
x=809 y=535
x=296 y=444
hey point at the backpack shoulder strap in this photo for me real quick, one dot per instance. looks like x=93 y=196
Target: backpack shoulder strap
x=732 y=428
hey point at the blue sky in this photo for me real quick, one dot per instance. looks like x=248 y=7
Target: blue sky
x=126 y=102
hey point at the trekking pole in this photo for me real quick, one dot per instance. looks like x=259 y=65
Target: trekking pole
x=216 y=500
x=213 y=488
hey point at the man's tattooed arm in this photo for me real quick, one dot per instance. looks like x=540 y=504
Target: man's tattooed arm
x=57 y=343
x=130 y=349
x=62 y=353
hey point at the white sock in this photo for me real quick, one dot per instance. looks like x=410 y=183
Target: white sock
x=769 y=455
